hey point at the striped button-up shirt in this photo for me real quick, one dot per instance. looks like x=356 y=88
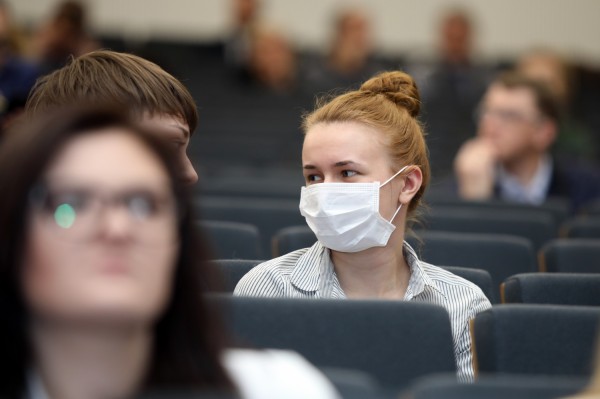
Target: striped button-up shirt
x=309 y=273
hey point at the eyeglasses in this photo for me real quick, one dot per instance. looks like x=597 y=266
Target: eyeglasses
x=79 y=214
x=505 y=116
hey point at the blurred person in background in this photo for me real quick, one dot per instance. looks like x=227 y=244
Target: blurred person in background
x=17 y=75
x=451 y=88
x=237 y=45
x=366 y=168
x=575 y=141
x=272 y=63
x=103 y=274
x=350 y=58
x=510 y=157
x=136 y=84
x=64 y=34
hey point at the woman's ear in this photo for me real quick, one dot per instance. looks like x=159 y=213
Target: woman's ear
x=412 y=179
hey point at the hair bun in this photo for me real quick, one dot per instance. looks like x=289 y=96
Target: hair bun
x=398 y=87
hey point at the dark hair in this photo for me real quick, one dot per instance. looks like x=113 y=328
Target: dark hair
x=545 y=101
x=109 y=77
x=187 y=337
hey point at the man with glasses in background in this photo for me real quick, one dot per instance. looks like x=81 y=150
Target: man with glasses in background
x=510 y=159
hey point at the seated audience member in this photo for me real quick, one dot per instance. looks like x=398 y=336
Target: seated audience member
x=17 y=76
x=366 y=168
x=272 y=61
x=510 y=159
x=237 y=45
x=129 y=81
x=350 y=59
x=103 y=273
x=574 y=141
x=64 y=35
x=451 y=87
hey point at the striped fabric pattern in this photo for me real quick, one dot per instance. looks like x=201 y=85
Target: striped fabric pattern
x=309 y=273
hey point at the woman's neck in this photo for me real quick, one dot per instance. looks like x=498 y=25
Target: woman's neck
x=379 y=272
x=90 y=361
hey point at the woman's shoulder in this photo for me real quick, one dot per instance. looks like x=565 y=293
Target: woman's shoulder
x=453 y=285
x=270 y=275
x=274 y=374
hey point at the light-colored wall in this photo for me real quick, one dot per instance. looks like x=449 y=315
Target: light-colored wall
x=506 y=27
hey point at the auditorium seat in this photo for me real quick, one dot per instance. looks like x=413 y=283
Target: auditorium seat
x=552 y=288
x=232 y=270
x=497 y=387
x=536 y=339
x=405 y=340
x=582 y=227
x=538 y=227
x=232 y=240
x=570 y=256
x=269 y=215
x=501 y=256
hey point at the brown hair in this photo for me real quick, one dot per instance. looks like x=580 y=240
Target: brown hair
x=545 y=101
x=109 y=77
x=390 y=103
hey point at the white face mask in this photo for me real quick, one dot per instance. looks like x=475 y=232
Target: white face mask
x=345 y=216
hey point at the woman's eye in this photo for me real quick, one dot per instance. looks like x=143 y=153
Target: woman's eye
x=141 y=206
x=349 y=173
x=313 y=178
x=76 y=201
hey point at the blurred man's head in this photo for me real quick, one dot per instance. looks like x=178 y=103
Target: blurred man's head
x=519 y=117
x=108 y=77
x=456 y=37
x=272 y=59
x=551 y=69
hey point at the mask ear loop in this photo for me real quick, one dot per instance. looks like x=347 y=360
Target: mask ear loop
x=393 y=177
x=389 y=180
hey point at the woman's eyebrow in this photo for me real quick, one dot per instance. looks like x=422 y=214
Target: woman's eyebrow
x=345 y=163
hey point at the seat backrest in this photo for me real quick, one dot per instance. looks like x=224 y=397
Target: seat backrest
x=393 y=341
x=592 y=208
x=539 y=227
x=571 y=256
x=553 y=288
x=269 y=215
x=232 y=271
x=582 y=227
x=536 y=339
x=497 y=387
x=556 y=207
x=501 y=256
x=231 y=240
x=292 y=238
x=479 y=277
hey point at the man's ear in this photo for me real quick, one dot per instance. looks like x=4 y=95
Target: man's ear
x=413 y=179
x=545 y=135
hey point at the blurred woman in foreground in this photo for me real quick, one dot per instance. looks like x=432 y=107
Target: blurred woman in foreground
x=101 y=271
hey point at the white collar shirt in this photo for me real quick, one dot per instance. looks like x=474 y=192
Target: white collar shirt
x=310 y=273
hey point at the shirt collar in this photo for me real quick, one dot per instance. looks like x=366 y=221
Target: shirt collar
x=305 y=276
x=535 y=192
x=419 y=279
x=314 y=271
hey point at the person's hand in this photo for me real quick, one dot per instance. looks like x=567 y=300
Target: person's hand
x=475 y=168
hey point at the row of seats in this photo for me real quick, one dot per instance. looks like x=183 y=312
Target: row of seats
x=500 y=255
x=407 y=340
x=530 y=288
x=539 y=226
